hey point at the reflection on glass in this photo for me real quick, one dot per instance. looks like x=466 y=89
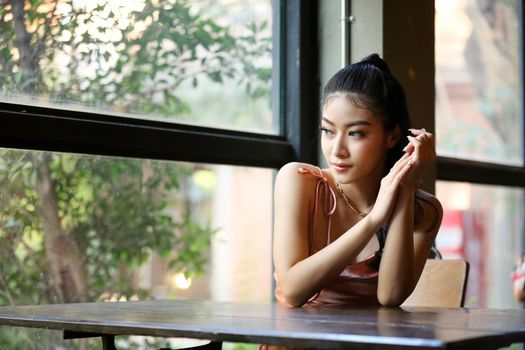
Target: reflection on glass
x=478 y=108
x=484 y=225
x=90 y=228
x=189 y=61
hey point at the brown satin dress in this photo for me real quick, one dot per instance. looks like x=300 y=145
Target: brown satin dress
x=357 y=283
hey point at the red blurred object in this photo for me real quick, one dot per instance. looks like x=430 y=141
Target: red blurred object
x=462 y=235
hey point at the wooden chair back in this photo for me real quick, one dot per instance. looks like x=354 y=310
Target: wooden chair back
x=443 y=283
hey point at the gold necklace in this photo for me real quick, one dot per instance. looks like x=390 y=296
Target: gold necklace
x=347 y=201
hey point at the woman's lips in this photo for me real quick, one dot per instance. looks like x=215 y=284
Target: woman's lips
x=341 y=167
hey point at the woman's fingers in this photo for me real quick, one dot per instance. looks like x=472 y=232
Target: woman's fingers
x=399 y=171
x=402 y=173
x=418 y=132
x=421 y=145
x=422 y=152
x=416 y=153
x=400 y=162
x=421 y=134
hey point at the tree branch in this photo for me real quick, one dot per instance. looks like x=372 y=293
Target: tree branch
x=41 y=43
x=6 y=292
x=22 y=43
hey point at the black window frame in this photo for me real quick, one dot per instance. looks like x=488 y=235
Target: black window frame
x=294 y=91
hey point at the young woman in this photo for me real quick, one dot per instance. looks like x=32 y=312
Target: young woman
x=360 y=230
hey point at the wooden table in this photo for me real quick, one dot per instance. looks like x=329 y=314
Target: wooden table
x=323 y=328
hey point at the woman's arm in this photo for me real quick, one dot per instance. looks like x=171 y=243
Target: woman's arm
x=407 y=246
x=300 y=275
x=408 y=243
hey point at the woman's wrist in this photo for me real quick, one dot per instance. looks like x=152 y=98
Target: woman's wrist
x=409 y=188
x=406 y=196
x=372 y=223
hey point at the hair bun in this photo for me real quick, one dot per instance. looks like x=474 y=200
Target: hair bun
x=377 y=62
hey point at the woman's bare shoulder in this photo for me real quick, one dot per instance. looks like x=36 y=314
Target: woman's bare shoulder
x=293 y=182
x=432 y=211
x=292 y=171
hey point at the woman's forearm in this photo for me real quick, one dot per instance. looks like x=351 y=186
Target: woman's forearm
x=397 y=270
x=304 y=279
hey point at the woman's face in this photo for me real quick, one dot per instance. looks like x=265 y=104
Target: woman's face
x=353 y=141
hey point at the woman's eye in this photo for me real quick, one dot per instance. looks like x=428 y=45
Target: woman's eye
x=356 y=133
x=325 y=130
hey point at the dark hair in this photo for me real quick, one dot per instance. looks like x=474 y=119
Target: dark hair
x=370 y=84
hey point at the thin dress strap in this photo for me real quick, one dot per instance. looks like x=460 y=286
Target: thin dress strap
x=330 y=201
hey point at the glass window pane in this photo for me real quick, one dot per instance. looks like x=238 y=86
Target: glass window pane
x=478 y=84
x=199 y=62
x=127 y=229
x=484 y=225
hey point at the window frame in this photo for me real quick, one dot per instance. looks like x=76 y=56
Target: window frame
x=294 y=92
x=487 y=173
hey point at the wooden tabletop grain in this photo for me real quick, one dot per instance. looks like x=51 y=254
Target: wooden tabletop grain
x=327 y=327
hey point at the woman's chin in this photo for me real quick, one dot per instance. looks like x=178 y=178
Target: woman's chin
x=342 y=178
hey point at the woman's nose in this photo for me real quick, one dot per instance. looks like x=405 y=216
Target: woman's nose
x=341 y=148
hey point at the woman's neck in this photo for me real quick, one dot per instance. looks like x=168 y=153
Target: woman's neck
x=362 y=193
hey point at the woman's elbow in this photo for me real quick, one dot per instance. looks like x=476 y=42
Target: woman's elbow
x=294 y=302
x=391 y=299
x=292 y=297
x=390 y=302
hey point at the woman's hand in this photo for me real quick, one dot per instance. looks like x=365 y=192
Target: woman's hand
x=422 y=151
x=389 y=188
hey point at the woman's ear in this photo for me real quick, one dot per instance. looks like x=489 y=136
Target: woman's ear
x=393 y=137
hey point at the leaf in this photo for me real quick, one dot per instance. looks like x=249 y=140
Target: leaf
x=215 y=76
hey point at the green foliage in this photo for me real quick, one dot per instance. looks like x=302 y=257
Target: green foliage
x=117 y=211
x=21 y=251
x=194 y=239
x=123 y=59
x=241 y=346
x=129 y=61
x=16 y=339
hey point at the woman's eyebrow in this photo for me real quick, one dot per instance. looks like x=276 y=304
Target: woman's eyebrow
x=351 y=124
